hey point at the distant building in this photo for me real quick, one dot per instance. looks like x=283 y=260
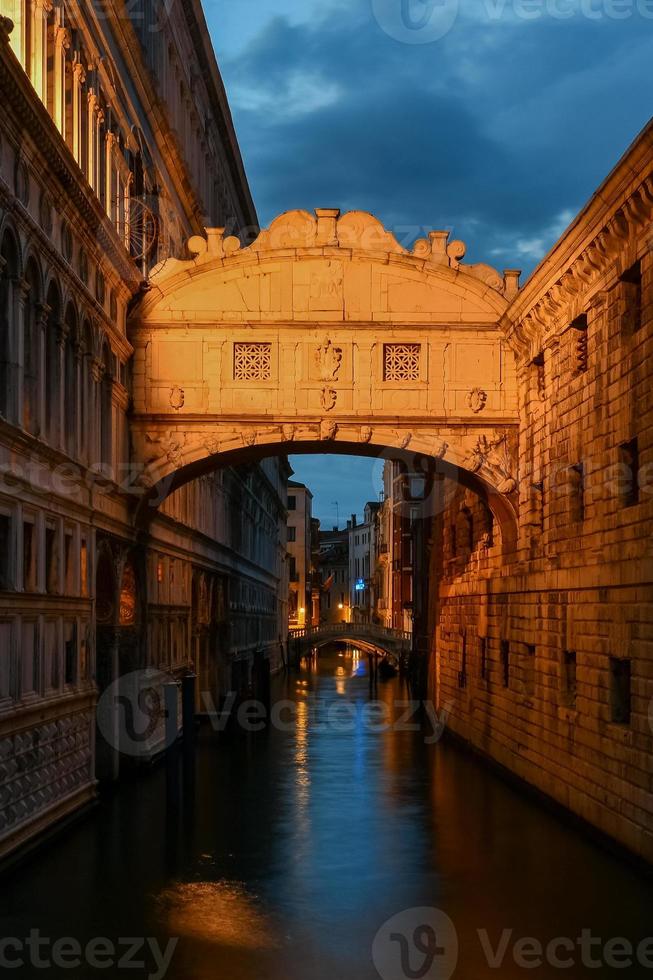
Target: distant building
x=300 y=600
x=399 y=554
x=362 y=538
x=316 y=576
x=334 y=573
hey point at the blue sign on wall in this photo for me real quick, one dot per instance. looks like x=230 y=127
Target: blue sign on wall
x=360 y=585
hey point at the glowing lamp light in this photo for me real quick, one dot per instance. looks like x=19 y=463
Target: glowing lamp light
x=340 y=605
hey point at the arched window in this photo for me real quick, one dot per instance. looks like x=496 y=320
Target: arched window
x=53 y=366
x=106 y=410
x=71 y=387
x=9 y=268
x=32 y=348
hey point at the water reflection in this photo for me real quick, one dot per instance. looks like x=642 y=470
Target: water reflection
x=218 y=912
x=284 y=854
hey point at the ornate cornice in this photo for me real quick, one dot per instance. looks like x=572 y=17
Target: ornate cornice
x=18 y=93
x=600 y=244
x=354 y=232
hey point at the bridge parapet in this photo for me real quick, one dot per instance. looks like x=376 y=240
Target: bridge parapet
x=395 y=643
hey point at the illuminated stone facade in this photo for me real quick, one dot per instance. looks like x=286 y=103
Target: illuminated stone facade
x=526 y=414
x=300 y=578
x=543 y=653
x=116 y=145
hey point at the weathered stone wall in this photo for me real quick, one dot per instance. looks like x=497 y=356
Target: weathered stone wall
x=545 y=655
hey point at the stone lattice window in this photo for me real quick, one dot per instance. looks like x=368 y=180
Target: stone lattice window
x=252 y=362
x=401 y=362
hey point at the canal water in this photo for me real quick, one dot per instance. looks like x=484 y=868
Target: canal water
x=337 y=845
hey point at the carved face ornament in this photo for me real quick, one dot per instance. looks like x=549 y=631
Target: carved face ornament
x=329 y=399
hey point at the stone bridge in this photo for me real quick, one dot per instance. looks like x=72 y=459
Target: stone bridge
x=326 y=335
x=395 y=644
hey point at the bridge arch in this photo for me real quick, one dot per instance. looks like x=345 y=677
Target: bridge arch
x=378 y=640
x=326 y=335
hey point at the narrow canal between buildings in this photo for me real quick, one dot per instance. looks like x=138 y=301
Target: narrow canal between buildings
x=329 y=847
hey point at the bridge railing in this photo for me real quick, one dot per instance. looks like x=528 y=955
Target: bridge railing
x=351 y=629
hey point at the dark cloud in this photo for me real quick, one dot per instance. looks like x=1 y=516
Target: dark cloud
x=500 y=130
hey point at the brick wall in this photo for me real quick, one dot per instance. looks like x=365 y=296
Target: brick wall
x=545 y=655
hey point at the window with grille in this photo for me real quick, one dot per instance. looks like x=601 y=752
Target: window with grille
x=620 y=696
x=580 y=349
x=252 y=362
x=629 y=461
x=569 y=683
x=504 y=650
x=631 y=313
x=401 y=362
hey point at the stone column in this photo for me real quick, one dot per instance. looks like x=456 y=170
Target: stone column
x=21 y=292
x=93 y=108
x=79 y=76
x=43 y=409
x=95 y=412
x=79 y=396
x=62 y=336
x=61 y=45
x=110 y=140
x=38 y=56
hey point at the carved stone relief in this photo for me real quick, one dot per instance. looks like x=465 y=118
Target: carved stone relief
x=328 y=359
x=493 y=456
x=328 y=399
x=477 y=400
x=328 y=429
x=177 y=398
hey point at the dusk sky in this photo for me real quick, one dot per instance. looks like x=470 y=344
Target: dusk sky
x=494 y=119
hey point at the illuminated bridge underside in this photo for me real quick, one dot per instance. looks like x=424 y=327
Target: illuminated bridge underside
x=395 y=644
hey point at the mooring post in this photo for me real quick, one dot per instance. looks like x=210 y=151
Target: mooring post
x=171 y=703
x=188 y=706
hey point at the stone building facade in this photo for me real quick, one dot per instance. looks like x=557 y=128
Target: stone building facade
x=362 y=558
x=300 y=540
x=333 y=564
x=116 y=145
x=534 y=407
x=543 y=647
